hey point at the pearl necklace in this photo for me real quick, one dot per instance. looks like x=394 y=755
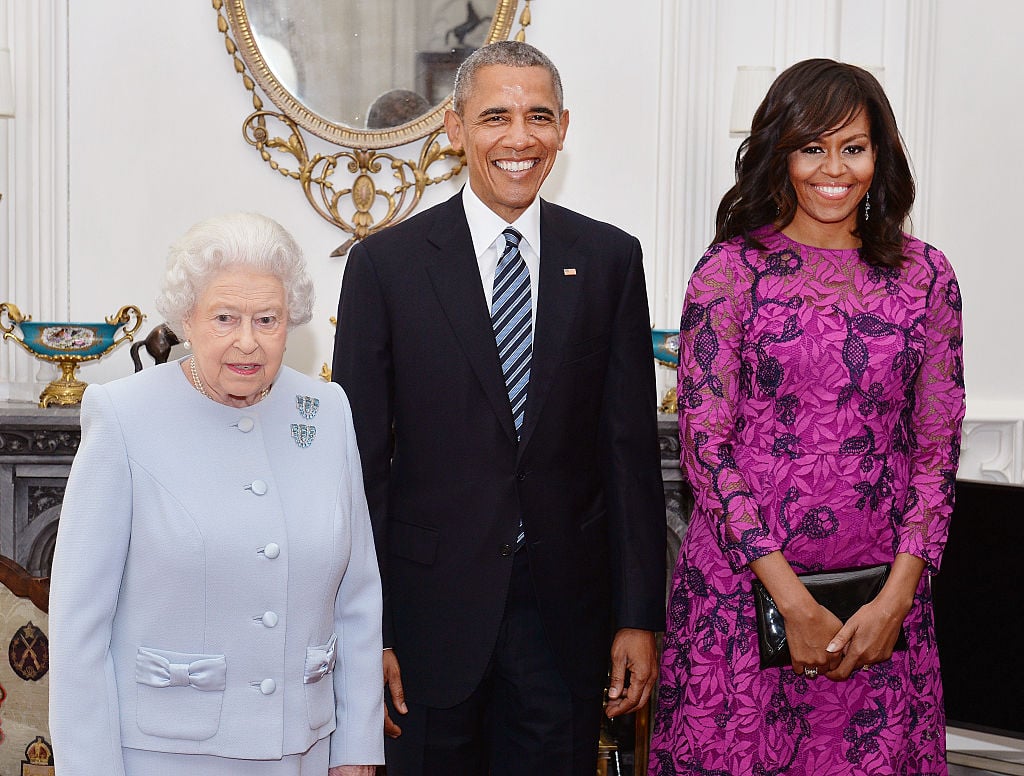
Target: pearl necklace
x=202 y=388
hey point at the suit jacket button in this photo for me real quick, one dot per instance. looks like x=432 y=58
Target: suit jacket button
x=245 y=425
x=272 y=550
x=267 y=686
x=506 y=550
x=520 y=476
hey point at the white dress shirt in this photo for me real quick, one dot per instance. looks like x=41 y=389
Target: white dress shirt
x=486 y=227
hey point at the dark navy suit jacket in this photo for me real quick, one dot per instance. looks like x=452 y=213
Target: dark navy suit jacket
x=446 y=480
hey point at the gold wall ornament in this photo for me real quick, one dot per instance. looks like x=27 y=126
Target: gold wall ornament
x=316 y=174
x=68 y=345
x=525 y=19
x=325 y=371
x=363 y=188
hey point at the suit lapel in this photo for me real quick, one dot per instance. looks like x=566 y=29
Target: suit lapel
x=455 y=276
x=557 y=297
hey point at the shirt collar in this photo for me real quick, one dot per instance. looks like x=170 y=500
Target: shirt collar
x=485 y=225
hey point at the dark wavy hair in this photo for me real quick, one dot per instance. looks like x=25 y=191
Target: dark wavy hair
x=810 y=99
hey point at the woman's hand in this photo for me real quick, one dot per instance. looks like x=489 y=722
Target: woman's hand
x=353 y=770
x=869 y=636
x=810 y=627
x=809 y=630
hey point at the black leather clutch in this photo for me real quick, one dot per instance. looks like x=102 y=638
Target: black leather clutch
x=842 y=592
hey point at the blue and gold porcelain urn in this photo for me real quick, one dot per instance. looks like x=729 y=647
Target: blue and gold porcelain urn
x=666 y=353
x=68 y=345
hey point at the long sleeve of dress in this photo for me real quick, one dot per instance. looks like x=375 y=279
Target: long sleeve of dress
x=92 y=544
x=710 y=390
x=358 y=685
x=931 y=422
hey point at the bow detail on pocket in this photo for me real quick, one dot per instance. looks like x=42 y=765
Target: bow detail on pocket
x=320 y=661
x=202 y=672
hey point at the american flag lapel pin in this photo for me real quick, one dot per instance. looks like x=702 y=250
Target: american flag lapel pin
x=569 y=272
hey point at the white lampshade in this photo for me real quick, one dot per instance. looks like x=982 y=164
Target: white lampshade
x=748 y=91
x=6 y=85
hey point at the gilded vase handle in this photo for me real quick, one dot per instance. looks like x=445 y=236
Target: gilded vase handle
x=124 y=317
x=14 y=315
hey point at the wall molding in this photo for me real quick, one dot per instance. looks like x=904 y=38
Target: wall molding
x=684 y=168
x=921 y=42
x=35 y=263
x=993 y=451
x=685 y=198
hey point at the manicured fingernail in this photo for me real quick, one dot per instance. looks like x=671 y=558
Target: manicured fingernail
x=833 y=647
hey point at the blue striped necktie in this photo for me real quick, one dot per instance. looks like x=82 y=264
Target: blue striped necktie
x=513 y=326
x=513 y=331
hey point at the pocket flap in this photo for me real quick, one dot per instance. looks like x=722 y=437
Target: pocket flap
x=414 y=542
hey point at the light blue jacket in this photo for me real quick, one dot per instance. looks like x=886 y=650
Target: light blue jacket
x=214 y=588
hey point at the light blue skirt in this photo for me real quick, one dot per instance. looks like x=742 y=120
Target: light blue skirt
x=141 y=762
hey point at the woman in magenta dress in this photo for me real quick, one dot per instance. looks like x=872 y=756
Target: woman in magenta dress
x=820 y=401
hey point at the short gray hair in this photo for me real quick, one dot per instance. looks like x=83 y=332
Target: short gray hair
x=510 y=53
x=247 y=240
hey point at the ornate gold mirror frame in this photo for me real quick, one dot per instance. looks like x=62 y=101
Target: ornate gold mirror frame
x=279 y=138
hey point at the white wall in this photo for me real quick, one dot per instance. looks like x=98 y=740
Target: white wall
x=160 y=148
x=974 y=173
x=153 y=143
x=130 y=199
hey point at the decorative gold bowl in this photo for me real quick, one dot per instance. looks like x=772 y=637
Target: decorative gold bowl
x=68 y=345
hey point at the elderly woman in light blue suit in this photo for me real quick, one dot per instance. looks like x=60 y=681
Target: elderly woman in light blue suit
x=215 y=605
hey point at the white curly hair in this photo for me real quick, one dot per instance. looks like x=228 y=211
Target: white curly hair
x=247 y=240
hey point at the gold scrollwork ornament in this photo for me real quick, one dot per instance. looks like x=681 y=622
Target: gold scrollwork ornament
x=325 y=371
x=366 y=205
x=315 y=172
x=525 y=19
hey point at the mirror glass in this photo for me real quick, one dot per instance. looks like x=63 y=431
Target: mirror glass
x=364 y=66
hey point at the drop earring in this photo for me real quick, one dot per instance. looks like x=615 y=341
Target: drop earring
x=187 y=344
x=867 y=206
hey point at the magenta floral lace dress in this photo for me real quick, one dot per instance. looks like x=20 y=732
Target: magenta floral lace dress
x=820 y=402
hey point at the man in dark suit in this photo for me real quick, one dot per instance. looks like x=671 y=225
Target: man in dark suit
x=496 y=350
